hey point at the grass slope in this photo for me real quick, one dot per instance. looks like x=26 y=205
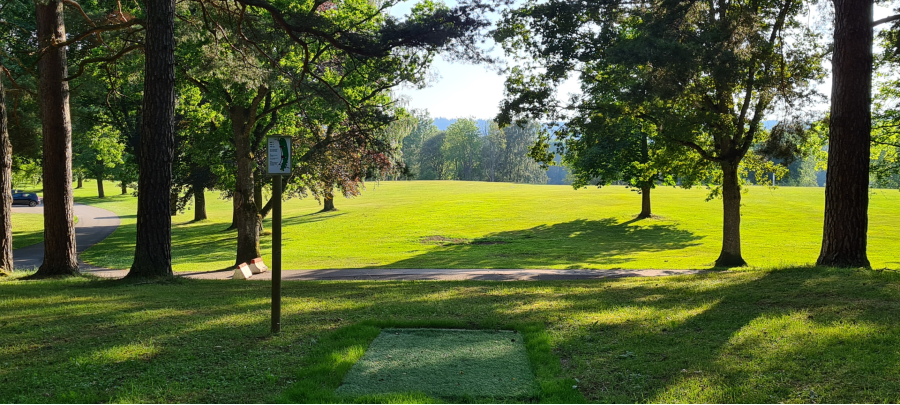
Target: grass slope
x=28 y=229
x=448 y=224
x=750 y=336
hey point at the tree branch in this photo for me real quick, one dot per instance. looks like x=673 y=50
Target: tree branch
x=113 y=58
x=884 y=20
x=80 y=10
x=97 y=30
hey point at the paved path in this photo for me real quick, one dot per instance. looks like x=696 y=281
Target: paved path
x=94 y=225
x=425 y=274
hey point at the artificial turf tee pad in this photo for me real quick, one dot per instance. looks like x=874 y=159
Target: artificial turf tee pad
x=443 y=363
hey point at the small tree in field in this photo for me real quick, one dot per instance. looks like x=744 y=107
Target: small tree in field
x=461 y=151
x=98 y=152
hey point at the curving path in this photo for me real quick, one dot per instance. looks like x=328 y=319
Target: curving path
x=94 y=225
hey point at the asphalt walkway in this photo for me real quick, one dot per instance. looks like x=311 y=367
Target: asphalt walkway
x=94 y=225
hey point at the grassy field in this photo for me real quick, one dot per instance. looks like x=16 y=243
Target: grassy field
x=28 y=229
x=800 y=335
x=430 y=224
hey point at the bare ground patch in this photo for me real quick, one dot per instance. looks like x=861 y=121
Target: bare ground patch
x=446 y=241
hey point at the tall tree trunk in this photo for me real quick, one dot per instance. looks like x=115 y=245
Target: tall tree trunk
x=80 y=179
x=59 y=221
x=731 y=225
x=847 y=179
x=153 y=247
x=328 y=201
x=645 y=190
x=124 y=188
x=247 y=218
x=100 y=192
x=234 y=214
x=173 y=203
x=258 y=200
x=199 y=203
x=257 y=195
x=6 y=242
x=645 y=203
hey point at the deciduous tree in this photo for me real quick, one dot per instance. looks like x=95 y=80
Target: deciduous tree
x=703 y=73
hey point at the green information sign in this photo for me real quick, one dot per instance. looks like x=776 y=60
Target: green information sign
x=278 y=153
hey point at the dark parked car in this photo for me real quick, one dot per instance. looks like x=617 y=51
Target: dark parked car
x=30 y=199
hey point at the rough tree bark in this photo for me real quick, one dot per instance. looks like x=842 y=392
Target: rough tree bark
x=645 y=203
x=199 y=203
x=847 y=179
x=645 y=189
x=246 y=211
x=6 y=243
x=153 y=247
x=100 y=192
x=731 y=225
x=59 y=226
x=328 y=201
x=173 y=203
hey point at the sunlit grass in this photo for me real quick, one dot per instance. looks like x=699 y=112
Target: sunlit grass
x=449 y=224
x=748 y=336
x=27 y=229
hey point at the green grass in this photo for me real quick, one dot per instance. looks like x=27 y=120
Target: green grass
x=749 y=336
x=28 y=229
x=448 y=224
x=336 y=357
x=444 y=363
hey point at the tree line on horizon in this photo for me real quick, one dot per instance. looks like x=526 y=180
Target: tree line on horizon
x=177 y=97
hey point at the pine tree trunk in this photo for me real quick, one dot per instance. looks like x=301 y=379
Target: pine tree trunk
x=173 y=203
x=59 y=226
x=247 y=219
x=6 y=242
x=731 y=225
x=153 y=247
x=199 y=203
x=847 y=179
x=100 y=192
x=80 y=181
x=645 y=203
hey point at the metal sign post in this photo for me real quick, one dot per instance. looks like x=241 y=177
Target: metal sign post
x=279 y=164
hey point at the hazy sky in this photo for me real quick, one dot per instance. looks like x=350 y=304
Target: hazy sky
x=465 y=90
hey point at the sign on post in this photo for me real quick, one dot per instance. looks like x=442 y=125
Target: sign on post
x=279 y=155
x=278 y=151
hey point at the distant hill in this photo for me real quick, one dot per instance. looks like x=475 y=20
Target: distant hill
x=442 y=123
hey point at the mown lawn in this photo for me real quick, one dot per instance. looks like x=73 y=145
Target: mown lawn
x=750 y=336
x=449 y=224
x=28 y=229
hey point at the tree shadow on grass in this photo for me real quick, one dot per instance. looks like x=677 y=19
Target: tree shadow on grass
x=317 y=216
x=571 y=244
x=752 y=336
x=794 y=335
